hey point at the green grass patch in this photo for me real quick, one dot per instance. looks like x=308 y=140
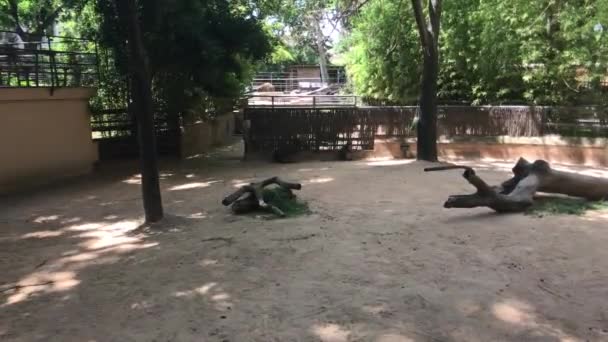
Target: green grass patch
x=564 y=206
x=281 y=199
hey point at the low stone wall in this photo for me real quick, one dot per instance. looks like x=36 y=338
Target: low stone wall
x=554 y=149
x=200 y=137
x=45 y=135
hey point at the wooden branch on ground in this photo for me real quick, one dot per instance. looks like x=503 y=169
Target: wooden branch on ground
x=517 y=193
x=250 y=197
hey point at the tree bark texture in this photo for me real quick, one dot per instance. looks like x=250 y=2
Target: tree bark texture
x=143 y=107
x=315 y=24
x=428 y=30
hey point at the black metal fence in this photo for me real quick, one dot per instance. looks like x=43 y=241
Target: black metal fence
x=47 y=61
x=115 y=131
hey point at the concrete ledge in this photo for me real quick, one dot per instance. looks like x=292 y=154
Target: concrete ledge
x=547 y=140
x=575 y=155
x=564 y=154
x=45 y=94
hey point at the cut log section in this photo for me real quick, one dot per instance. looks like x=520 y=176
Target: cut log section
x=251 y=197
x=517 y=193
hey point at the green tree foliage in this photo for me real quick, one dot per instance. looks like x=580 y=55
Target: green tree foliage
x=492 y=51
x=201 y=52
x=385 y=67
x=35 y=17
x=297 y=26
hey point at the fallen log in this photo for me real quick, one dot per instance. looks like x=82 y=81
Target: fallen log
x=251 y=197
x=517 y=193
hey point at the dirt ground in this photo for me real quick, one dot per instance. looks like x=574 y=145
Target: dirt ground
x=378 y=260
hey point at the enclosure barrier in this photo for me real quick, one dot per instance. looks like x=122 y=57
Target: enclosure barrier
x=44 y=137
x=330 y=128
x=306 y=101
x=47 y=61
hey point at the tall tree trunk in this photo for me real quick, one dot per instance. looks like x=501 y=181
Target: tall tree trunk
x=429 y=39
x=427 y=122
x=144 y=111
x=315 y=23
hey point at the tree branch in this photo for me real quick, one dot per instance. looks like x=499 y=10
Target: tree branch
x=421 y=23
x=48 y=21
x=14 y=12
x=435 y=19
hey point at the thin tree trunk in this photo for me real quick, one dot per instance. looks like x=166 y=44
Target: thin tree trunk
x=315 y=22
x=144 y=112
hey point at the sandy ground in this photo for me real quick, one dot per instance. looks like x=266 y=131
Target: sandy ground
x=378 y=260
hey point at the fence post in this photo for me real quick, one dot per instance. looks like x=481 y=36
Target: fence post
x=37 y=68
x=314 y=101
x=272 y=101
x=543 y=120
x=54 y=76
x=97 y=64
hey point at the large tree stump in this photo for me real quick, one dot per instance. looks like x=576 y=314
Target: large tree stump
x=517 y=193
x=251 y=197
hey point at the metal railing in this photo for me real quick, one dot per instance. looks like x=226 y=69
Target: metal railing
x=308 y=101
x=291 y=83
x=47 y=61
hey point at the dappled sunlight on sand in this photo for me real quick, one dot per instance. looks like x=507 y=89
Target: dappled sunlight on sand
x=197 y=216
x=208 y=262
x=596 y=216
x=237 y=183
x=41 y=282
x=374 y=309
x=78 y=219
x=319 y=180
x=522 y=315
x=143 y=305
x=100 y=243
x=83 y=227
x=210 y=291
x=390 y=162
x=193 y=185
x=44 y=219
x=42 y=234
x=513 y=311
x=136 y=179
x=330 y=332
x=203 y=290
x=314 y=169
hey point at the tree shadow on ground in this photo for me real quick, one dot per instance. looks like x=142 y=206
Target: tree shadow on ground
x=76 y=260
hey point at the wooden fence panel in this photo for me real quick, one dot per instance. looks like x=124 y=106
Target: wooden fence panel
x=311 y=129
